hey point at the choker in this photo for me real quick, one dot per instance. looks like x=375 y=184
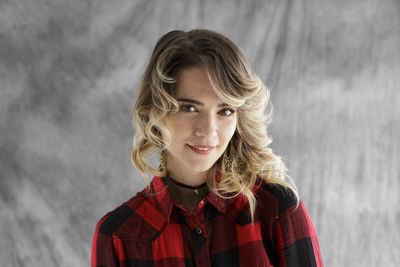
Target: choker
x=194 y=188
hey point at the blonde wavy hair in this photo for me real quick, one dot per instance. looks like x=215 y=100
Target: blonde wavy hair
x=248 y=158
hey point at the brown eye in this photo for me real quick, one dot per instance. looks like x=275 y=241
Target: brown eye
x=188 y=108
x=227 y=112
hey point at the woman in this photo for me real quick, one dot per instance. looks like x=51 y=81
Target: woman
x=219 y=197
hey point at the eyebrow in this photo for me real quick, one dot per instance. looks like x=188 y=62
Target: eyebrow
x=192 y=101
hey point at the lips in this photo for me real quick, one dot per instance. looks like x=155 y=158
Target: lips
x=202 y=150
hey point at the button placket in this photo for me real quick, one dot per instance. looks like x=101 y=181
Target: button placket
x=194 y=222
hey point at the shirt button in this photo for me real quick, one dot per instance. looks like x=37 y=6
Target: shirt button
x=202 y=202
x=199 y=231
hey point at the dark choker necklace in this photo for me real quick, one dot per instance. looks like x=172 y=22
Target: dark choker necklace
x=194 y=188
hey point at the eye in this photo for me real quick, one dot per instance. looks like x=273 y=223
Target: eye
x=188 y=108
x=227 y=112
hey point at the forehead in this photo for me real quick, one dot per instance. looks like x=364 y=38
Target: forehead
x=193 y=82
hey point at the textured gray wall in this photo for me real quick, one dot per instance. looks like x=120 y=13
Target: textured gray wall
x=69 y=72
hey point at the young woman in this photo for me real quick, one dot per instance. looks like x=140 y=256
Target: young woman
x=219 y=197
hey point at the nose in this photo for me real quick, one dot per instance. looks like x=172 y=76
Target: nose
x=206 y=125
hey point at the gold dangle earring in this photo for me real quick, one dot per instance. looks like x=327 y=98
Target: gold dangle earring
x=231 y=165
x=228 y=163
x=162 y=167
x=228 y=160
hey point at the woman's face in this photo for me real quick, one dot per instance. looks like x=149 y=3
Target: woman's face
x=201 y=130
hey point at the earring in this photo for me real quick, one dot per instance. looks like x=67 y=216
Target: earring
x=231 y=165
x=162 y=162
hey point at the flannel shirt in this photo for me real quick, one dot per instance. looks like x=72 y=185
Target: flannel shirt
x=153 y=230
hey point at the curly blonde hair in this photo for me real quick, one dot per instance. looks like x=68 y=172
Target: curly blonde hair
x=248 y=154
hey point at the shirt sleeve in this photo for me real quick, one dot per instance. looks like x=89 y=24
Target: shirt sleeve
x=297 y=243
x=103 y=251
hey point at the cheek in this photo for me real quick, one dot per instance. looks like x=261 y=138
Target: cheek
x=178 y=128
x=228 y=131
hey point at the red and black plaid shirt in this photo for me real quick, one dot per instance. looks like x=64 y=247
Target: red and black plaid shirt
x=155 y=231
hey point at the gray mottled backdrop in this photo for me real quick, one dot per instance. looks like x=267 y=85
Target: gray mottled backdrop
x=69 y=72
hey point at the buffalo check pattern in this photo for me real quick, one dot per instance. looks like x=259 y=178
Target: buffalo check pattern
x=151 y=229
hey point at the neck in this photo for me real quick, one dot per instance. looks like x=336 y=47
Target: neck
x=191 y=179
x=186 y=196
x=183 y=174
x=185 y=186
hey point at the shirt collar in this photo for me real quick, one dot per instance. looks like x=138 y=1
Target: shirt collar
x=217 y=201
x=165 y=202
x=230 y=207
x=161 y=196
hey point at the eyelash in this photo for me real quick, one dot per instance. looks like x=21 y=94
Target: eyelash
x=185 y=108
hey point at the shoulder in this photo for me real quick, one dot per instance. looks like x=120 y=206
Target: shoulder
x=126 y=220
x=278 y=196
x=111 y=221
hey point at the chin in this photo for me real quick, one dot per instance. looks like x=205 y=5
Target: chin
x=200 y=168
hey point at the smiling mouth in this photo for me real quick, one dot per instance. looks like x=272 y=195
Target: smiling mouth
x=202 y=149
